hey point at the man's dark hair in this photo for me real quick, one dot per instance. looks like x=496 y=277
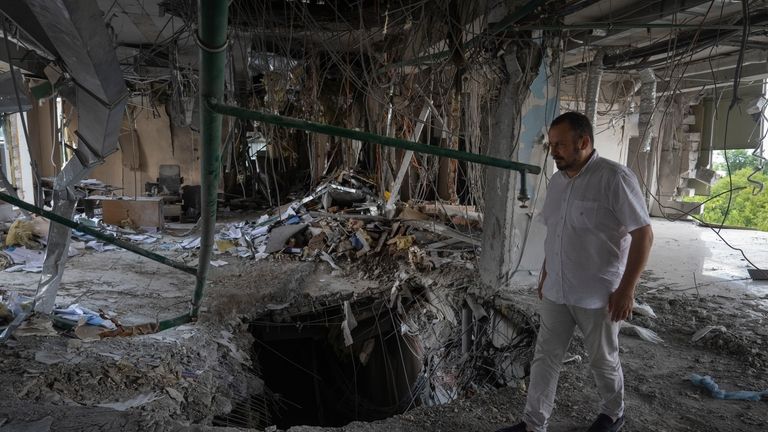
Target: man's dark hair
x=579 y=124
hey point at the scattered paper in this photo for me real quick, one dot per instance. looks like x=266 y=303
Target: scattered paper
x=191 y=243
x=82 y=315
x=99 y=246
x=143 y=238
x=27 y=260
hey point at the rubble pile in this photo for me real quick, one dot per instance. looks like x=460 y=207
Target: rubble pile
x=341 y=220
x=171 y=375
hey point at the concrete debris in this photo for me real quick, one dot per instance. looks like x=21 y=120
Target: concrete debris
x=88 y=332
x=279 y=237
x=175 y=394
x=139 y=400
x=42 y=425
x=51 y=358
x=707 y=330
x=35 y=325
x=234 y=351
x=340 y=220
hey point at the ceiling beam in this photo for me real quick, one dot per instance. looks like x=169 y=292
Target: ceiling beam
x=726 y=61
x=655 y=11
x=25 y=59
x=22 y=16
x=720 y=78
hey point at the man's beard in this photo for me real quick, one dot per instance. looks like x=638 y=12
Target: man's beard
x=563 y=165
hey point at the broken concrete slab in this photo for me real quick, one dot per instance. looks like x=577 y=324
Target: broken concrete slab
x=279 y=236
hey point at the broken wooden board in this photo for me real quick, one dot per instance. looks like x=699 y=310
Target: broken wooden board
x=451 y=210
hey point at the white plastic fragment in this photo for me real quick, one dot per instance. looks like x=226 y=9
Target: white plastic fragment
x=643 y=309
x=348 y=324
x=641 y=332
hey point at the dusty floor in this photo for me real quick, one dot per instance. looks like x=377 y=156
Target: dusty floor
x=196 y=370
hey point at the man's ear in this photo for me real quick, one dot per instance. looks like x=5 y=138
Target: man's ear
x=584 y=142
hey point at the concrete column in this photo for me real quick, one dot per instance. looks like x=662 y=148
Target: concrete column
x=512 y=241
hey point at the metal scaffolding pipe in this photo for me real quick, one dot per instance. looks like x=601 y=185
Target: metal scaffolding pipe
x=106 y=238
x=293 y=123
x=593 y=85
x=212 y=40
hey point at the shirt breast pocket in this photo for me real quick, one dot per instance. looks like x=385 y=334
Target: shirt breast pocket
x=583 y=214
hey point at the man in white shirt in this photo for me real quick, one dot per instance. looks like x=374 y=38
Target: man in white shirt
x=598 y=239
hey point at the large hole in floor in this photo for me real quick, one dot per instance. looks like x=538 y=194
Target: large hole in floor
x=313 y=378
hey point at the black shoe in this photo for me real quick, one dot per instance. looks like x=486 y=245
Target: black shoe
x=520 y=427
x=605 y=423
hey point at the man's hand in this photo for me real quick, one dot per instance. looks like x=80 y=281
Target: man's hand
x=542 y=276
x=620 y=304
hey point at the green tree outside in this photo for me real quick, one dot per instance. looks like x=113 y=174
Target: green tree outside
x=738 y=160
x=746 y=210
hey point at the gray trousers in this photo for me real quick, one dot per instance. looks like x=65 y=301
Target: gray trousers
x=601 y=340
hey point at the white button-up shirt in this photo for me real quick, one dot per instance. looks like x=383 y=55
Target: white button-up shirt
x=588 y=219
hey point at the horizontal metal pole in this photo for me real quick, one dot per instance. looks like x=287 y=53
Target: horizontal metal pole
x=106 y=238
x=290 y=122
x=632 y=26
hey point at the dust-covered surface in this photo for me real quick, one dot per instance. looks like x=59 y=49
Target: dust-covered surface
x=185 y=378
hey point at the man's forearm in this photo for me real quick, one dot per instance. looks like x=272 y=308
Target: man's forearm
x=639 y=249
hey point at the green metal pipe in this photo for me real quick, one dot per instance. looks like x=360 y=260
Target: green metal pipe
x=212 y=41
x=106 y=238
x=632 y=26
x=290 y=122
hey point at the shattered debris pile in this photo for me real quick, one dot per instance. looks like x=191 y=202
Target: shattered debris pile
x=342 y=220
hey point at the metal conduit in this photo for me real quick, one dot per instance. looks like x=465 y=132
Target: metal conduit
x=212 y=41
x=290 y=122
x=593 y=85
